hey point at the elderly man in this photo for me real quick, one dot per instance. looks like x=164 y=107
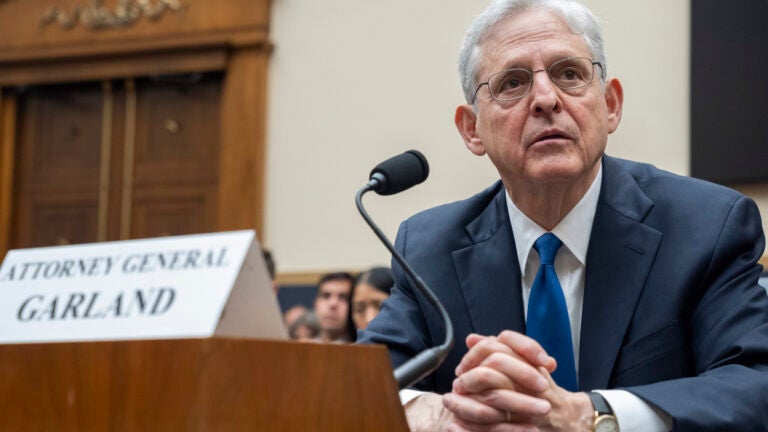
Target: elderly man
x=577 y=272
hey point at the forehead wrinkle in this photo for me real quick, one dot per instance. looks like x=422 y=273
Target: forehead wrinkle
x=506 y=44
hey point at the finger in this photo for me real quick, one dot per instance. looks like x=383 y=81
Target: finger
x=472 y=410
x=519 y=405
x=481 y=379
x=473 y=338
x=482 y=349
x=502 y=371
x=528 y=349
x=462 y=426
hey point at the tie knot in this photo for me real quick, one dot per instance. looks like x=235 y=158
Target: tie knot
x=547 y=246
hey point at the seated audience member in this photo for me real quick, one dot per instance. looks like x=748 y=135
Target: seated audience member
x=332 y=307
x=304 y=327
x=369 y=292
x=293 y=313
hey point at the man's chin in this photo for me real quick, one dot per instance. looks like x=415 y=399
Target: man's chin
x=556 y=173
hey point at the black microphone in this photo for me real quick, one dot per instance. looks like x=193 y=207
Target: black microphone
x=395 y=175
x=399 y=173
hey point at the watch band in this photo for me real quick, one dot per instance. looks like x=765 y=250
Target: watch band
x=599 y=403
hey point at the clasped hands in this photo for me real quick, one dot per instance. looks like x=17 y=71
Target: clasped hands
x=503 y=383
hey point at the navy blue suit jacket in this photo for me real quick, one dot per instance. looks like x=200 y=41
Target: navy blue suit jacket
x=672 y=309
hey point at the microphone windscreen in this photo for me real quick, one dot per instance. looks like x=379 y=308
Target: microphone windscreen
x=400 y=172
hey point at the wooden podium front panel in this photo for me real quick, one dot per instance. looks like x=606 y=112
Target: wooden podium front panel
x=198 y=385
x=295 y=386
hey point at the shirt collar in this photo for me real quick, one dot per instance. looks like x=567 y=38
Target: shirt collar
x=574 y=230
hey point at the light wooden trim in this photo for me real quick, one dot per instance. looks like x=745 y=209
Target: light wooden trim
x=7 y=141
x=128 y=159
x=106 y=158
x=298 y=278
x=110 y=67
x=764 y=262
x=308 y=277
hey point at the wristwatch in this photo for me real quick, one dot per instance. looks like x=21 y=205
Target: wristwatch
x=604 y=420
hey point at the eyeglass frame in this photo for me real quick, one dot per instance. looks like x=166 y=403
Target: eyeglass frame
x=534 y=72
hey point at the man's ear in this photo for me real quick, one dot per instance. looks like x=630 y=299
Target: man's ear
x=466 y=123
x=614 y=100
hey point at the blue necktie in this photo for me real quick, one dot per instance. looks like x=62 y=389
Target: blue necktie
x=548 y=321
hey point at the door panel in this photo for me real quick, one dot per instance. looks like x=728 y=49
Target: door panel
x=57 y=165
x=159 y=174
x=173 y=211
x=177 y=130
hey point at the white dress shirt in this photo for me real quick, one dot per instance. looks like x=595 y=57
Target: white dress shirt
x=632 y=413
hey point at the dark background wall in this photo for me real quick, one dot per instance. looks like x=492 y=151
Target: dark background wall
x=729 y=90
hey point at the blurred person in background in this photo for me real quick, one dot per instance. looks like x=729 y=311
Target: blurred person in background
x=293 y=313
x=304 y=327
x=332 y=307
x=371 y=288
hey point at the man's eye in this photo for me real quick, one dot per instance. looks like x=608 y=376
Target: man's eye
x=570 y=74
x=512 y=83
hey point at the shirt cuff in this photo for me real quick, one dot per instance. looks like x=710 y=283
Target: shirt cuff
x=407 y=395
x=634 y=414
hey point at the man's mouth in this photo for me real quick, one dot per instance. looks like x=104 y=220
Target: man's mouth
x=550 y=135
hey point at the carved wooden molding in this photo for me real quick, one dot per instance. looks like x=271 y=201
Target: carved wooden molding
x=96 y=16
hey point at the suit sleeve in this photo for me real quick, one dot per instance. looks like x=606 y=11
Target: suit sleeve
x=728 y=330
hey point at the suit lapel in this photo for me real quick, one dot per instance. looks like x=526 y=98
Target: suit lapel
x=489 y=272
x=621 y=252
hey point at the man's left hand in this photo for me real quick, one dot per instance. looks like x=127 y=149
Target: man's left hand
x=504 y=383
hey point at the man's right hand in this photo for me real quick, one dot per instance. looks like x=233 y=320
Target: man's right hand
x=426 y=413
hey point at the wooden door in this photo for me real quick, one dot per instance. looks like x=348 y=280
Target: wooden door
x=145 y=160
x=116 y=159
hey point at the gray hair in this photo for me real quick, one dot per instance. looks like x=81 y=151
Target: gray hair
x=579 y=19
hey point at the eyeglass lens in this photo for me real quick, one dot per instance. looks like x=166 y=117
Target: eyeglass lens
x=567 y=74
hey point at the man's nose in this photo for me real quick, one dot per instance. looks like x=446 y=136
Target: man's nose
x=544 y=96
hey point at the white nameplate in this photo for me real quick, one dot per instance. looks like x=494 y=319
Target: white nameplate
x=170 y=287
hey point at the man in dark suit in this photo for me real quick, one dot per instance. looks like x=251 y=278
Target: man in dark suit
x=586 y=292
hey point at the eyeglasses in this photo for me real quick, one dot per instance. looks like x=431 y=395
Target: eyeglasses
x=567 y=74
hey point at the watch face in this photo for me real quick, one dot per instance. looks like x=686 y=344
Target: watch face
x=606 y=423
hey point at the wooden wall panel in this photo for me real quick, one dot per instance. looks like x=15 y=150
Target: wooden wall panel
x=7 y=162
x=242 y=164
x=22 y=19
